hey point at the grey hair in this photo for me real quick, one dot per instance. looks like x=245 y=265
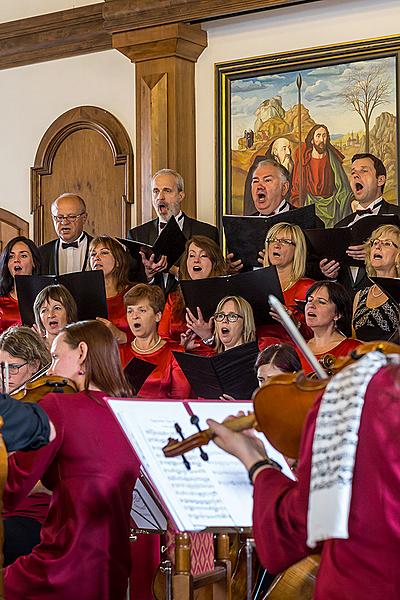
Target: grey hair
x=180 y=184
x=284 y=173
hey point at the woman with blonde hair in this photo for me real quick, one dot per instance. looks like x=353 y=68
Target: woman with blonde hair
x=234 y=323
x=286 y=249
x=375 y=316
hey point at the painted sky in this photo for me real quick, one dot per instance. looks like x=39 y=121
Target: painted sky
x=320 y=89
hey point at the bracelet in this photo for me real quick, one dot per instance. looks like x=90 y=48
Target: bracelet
x=262 y=463
x=209 y=341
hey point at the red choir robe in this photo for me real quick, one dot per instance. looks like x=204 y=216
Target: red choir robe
x=90 y=468
x=342 y=349
x=117 y=313
x=167 y=380
x=172 y=326
x=9 y=312
x=367 y=564
x=275 y=333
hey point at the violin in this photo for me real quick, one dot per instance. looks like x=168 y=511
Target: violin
x=280 y=407
x=34 y=390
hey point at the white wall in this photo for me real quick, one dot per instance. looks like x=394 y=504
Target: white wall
x=33 y=97
x=317 y=24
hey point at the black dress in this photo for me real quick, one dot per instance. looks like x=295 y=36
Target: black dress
x=371 y=324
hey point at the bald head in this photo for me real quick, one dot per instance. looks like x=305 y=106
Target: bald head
x=69 y=216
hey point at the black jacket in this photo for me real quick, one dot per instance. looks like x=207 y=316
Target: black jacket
x=49 y=256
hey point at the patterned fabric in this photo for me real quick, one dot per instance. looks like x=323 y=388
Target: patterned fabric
x=334 y=448
x=372 y=324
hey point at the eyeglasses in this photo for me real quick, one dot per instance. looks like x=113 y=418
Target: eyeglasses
x=14 y=369
x=231 y=317
x=69 y=218
x=280 y=241
x=384 y=243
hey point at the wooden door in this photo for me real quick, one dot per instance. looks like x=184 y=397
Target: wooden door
x=11 y=226
x=88 y=152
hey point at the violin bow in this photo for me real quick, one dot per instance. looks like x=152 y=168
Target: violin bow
x=296 y=336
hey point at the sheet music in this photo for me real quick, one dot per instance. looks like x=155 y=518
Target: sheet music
x=221 y=410
x=192 y=498
x=144 y=511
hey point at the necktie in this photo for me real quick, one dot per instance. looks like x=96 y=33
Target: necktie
x=366 y=211
x=65 y=245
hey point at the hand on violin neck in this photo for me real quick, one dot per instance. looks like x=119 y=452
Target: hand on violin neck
x=248 y=449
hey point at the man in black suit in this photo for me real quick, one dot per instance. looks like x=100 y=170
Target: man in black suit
x=367 y=181
x=168 y=194
x=70 y=251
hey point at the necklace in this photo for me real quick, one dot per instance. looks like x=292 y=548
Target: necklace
x=147 y=349
x=289 y=285
x=376 y=295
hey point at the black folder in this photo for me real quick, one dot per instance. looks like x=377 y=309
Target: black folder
x=86 y=287
x=170 y=243
x=137 y=371
x=231 y=372
x=253 y=286
x=333 y=243
x=245 y=236
x=390 y=286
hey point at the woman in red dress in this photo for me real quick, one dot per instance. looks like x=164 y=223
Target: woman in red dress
x=202 y=259
x=19 y=257
x=108 y=255
x=90 y=468
x=54 y=307
x=144 y=305
x=328 y=314
x=286 y=248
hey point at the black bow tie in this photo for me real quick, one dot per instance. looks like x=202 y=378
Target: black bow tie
x=162 y=224
x=366 y=211
x=65 y=245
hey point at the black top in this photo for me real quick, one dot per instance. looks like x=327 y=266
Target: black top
x=26 y=426
x=371 y=324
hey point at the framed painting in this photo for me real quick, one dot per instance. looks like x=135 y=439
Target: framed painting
x=330 y=102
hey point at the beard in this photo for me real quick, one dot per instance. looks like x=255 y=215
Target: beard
x=288 y=163
x=320 y=148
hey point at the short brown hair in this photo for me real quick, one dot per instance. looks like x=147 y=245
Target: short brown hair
x=213 y=252
x=59 y=293
x=24 y=343
x=102 y=364
x=120 y=271
x=152 y=293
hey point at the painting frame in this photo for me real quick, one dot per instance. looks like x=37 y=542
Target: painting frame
x=227 y=73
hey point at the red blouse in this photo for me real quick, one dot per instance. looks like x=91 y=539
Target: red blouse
x=9 y=312
x=275 y=333
x=342 y=349
x=172 y=326
x=167 y=380
x=117 y=313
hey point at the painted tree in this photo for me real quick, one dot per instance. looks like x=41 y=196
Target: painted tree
x=365 y=90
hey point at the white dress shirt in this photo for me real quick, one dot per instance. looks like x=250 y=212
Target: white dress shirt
x=71 y=260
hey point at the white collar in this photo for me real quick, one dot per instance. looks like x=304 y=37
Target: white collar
x=371 y=205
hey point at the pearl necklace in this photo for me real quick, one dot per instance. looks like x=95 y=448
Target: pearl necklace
x=147 y=349
x=372 y=291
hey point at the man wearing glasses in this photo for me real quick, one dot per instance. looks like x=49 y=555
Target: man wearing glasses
x=69 y=252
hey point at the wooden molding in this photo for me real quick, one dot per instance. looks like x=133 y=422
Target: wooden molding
x=175 y=39
x=53 y=36
x=88 y=29
x=125 y=15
